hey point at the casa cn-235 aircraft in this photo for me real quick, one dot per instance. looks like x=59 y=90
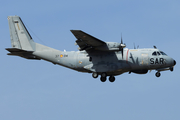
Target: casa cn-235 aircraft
x=104 y=59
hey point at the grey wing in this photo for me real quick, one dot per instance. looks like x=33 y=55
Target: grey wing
x=86 y=41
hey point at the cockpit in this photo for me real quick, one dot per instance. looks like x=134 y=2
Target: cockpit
x=157 y=53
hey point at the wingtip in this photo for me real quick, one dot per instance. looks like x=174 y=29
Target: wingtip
x=75 y=30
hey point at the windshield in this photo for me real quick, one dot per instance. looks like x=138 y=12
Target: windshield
x=162 y=53
x=157 y=53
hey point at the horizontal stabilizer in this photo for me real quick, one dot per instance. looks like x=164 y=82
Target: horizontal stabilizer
x=17 y=50
x=21 y=53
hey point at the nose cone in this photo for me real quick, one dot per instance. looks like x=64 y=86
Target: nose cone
x=174 y=62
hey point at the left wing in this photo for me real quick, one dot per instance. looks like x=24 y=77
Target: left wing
x=86 y=41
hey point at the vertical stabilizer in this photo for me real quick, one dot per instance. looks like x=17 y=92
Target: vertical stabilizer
x=20 y=37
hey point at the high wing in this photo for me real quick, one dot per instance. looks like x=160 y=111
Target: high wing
x=86 y=41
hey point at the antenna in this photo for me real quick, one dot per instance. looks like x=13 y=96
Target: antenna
x=155 y=47
x=134 y=46
x=137 y=46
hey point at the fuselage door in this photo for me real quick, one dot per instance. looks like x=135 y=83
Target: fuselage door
x=144 y=59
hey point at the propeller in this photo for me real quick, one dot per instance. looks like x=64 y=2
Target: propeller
x=122 y=46
x=155 y=47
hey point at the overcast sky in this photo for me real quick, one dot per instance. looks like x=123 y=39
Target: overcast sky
x=39 y=90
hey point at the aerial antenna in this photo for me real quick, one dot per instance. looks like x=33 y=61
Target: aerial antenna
x=137 y=46
x=155 y=47
x=34 y=34
x=134 y=46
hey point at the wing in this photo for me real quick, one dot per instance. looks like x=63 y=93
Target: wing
x=86 y=41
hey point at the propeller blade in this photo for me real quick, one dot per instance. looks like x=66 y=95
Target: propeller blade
x=122 y=46
x=122 y=51
x=121 y=39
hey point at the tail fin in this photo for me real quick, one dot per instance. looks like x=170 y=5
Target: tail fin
x=21 y=41
x=20 y=37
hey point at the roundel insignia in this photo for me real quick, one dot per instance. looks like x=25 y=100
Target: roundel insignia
x=61 y=55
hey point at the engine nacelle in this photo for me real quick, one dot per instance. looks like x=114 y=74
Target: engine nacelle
x=111 y=46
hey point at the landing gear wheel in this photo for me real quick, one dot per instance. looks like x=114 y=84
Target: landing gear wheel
x=103 y=79
x=111 y=78
x=95 y=75
x=103 y=74
x=158 y=74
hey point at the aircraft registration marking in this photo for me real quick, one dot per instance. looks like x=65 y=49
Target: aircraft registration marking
x=63 y=55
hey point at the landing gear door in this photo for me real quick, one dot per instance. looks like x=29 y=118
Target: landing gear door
x=144 y=59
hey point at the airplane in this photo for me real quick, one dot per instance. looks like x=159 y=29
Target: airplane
x=104 y=59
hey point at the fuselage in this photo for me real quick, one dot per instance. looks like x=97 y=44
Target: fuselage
x=113 y=63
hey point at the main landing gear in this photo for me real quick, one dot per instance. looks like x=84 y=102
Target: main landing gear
x=103 y=77
x=95 y=75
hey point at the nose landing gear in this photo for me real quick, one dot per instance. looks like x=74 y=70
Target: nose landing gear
x=171 y=69
x=158 y=74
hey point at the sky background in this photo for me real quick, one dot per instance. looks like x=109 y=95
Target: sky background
x=39 y=90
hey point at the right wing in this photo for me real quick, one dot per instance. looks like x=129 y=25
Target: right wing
x=86 y=41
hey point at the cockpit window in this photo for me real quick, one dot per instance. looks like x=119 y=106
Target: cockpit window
x=154 y=53
x=162 y=53
x=158 y=53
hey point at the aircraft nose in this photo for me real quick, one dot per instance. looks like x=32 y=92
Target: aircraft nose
x=174 y=62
